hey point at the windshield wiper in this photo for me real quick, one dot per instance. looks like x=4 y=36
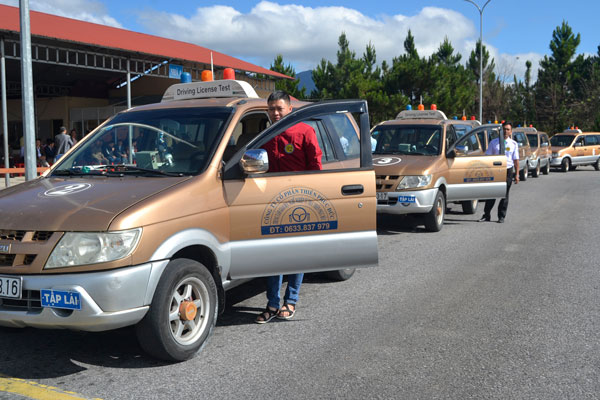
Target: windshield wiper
x=81 y=172
x=132 y=168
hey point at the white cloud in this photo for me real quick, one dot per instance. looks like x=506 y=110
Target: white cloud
x=305 y=35
x=83 y=10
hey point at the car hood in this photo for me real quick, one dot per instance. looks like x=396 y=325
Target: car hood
x=403 y=165
x=75 y=204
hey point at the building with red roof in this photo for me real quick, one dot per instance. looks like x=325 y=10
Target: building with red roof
x=80 y=70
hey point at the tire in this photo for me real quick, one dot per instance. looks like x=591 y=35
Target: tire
x=341 y=274
x=597 y=164
x=573 y=167
x=164 y=333
x=469 y=207
x=434 y=219
x=565 y=165
x=536 y=172
x=546 y=169
x=524 y=173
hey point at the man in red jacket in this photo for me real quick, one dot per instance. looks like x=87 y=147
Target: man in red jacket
x=295 y=149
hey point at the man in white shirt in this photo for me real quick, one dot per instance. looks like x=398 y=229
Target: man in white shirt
x=511 y=151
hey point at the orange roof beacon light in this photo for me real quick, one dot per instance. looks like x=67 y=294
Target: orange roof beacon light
x=420 y=107
x=463 y=118
x=433 y=107
x=206 y=76
x=228 y=73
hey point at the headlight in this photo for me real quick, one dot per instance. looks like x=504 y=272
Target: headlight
x=83 y=248
x=554 y=154
x=414 y=181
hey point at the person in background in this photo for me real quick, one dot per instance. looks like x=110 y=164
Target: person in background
x=40 y=155
x=295 y=149
x=62 y=142
x=512 y=160
x=73 y=135
x=49 y=151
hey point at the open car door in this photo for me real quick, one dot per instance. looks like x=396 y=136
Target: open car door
x=473 y=174
x=303 y=221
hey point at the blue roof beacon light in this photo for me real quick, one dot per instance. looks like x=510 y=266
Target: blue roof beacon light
x=455 y=118
x=409 y=107
x=186 y=77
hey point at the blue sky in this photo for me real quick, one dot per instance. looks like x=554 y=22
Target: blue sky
x=306 y=31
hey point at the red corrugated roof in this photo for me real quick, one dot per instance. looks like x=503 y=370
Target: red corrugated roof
x=55 y=27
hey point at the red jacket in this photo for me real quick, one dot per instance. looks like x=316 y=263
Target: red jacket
x=295 y=149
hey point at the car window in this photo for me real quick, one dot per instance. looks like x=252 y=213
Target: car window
x=521 y=139
x=481 y=136
x=324 y=141
x=408 y=139
x=591 y=140
x=467 y=145
x=544 y=139
x=177 y=140
x=343 y=131
x=533 y=139
x=246 y=129
x=452 y=135
x=561 y=140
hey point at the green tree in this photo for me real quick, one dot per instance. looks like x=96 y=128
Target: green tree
x=555 y=90
x=288 y=85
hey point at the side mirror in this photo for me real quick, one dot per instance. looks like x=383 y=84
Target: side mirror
x=578 y=144
x=461 y=150
x=255 y=161
x=451 y=154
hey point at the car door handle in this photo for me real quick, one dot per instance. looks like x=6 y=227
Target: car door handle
x=497 y=162
x=349 y=190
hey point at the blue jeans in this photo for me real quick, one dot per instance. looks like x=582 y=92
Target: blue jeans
x=291 y=293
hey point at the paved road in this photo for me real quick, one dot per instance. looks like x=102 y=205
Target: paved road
x=478 y=310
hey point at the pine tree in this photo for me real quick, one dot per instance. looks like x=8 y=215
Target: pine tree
x=291 y=87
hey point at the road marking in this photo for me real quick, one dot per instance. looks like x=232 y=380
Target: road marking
x=34 y=390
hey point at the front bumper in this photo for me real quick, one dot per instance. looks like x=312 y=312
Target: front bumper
x=556 y=161
x=415 y=202
x=109 y=299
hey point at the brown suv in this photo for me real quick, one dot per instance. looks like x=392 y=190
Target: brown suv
x=539 y=161
x=153 y=234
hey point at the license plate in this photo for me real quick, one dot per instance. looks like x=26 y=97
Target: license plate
x=10 y=287
x=406 y=199
x=61 y=299
x=382 y=196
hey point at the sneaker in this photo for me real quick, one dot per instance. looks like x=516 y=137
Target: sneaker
x=485 y=218
x=501 y=220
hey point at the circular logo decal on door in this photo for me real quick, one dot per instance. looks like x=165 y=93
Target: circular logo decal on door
x=382 y=161
x=66 y=190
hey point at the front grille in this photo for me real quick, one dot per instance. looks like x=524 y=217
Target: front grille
x=29 y=259
x=386 y=182
x=29 y=302
x=11 y=235
x=41 y=236
x=389 y=202
x=6 y=260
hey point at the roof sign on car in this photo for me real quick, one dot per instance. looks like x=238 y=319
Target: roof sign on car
x=209 y=89
x=421 y=114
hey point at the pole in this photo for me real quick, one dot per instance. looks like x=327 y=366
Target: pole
x=27 y=94
x=480 y=56
x=4 y=112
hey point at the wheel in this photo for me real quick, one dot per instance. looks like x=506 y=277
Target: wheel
x=434 y=219
x=536 y=172
x=565 y=165
x=524 y=172
x=597 y=164
x=469 y=206
x=341 y=274
x=182 y=314
x=546 y=169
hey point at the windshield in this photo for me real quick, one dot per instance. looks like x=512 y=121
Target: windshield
x=165 y=141
x=533 y=139
x=462 y=129
x=406 y=139
x=561 y=140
